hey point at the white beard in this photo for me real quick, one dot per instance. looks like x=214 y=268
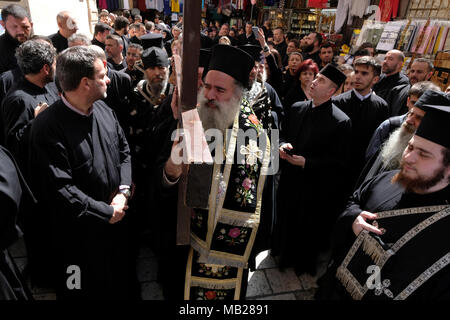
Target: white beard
x=222 y=117
x=392 y=149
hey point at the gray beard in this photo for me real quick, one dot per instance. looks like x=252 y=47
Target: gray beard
x=392 y=149
x=157 y=88
x=222 y=117
x=252 y=94
x=262 y=77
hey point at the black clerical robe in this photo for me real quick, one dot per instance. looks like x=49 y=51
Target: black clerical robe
x=78 y=163
x=59 y=42
x=98 y=43
x=386 y=83
x=118 y=95
x=8 y=46
x=17 y=112
x=311 y=196
x=405 y=263
x=12 y=285
x=117 y=66
x=149 y=123
x=397 y=100
x=294 y=94
x=366 y=116
x=135 y=75
x=314 y=57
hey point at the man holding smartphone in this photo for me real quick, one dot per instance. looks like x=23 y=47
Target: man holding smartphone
x=311 y=192
x=249 y=37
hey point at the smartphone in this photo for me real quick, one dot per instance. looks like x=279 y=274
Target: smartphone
x=290 y=152
x=256 y=32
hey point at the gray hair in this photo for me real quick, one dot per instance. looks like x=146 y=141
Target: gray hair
x=16 y=11
x=117 y=39
x=149 y=26
x=32 y=55
x=73 y=64
x=418 y=89
x=136 y=46
x=79 y=37
x=98 y=52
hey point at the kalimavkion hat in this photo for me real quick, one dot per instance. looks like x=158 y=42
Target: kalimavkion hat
x=152 y=40
x=254 y=51
x=334 y=74
x=435 y=125
x=232 y=61
x=155 y=57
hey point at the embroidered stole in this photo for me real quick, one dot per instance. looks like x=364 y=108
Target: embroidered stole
x=420 y=243
x=222 y=236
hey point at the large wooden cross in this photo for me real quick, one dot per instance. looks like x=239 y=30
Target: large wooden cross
x=188 y=99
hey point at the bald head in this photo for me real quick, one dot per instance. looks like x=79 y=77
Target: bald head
x=67 y=23
x=393 y=62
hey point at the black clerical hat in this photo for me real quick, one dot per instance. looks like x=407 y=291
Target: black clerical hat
x=232 y=61
x=334 y=74
x=204 y=57
x=435 y=123
x=254 y=51
x=432 y=98
x=152 y=40
x=155 y=57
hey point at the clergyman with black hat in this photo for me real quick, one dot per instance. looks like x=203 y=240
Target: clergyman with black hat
x=149 y=118
x=392 y=136
x=390 y=240
x=217 y=258
x=314 y=148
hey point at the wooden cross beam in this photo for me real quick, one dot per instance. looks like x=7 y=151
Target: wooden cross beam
x=188 y=99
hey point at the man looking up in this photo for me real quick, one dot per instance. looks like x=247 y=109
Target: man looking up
x=311 y=128
x=312 y=47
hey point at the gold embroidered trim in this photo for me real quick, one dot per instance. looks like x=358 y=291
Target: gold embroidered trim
x=426 y=275
x=377 y=253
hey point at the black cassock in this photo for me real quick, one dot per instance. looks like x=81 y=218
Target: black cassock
x=78 y=163
x=17 y=113
x=386 y=83
x=309 y=198
x=406 y=264
x=397 y=99
x=59 y=42
x=8 y=46
x=12 y=285
x=366 y=116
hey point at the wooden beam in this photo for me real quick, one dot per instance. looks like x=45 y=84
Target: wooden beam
x=188 y=100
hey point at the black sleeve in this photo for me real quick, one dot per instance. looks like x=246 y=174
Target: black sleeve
x=339 y=153
x=125 y=157
x=50 y=161
x=17 y=120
